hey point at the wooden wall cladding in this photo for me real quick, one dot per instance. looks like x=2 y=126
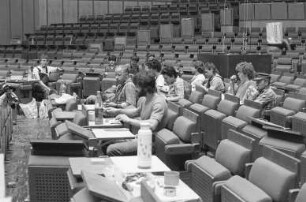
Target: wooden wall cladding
x=100 y=7
x=279 y=11
x=85 y=8
x=296 y=11
x=70 y=11
x=16 y=18
x=262 y=11
x=246 y=12
x=55 y=11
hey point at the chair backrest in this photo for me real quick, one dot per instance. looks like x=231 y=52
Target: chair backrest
x=275 y=173
x=229 y=105
x=71 y=105
x=249 y=109
x=185 y=125
x=234 y=152
x=212 y=99
x=195 y=96
x=173 y=113
x=294 y=104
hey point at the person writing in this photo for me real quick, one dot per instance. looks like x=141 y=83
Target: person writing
x=152 y=108
x=214 y=80
x=175 y=83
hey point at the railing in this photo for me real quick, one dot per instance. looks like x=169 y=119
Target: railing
x=6 y=128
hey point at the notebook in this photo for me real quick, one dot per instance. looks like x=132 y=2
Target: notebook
x=79 y=130
x=104 y=188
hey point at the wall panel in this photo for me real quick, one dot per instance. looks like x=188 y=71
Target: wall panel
x=4 y=22
x=296 y=11
x=262 y=11
x=85 y=8
x=28 y=16
x=279 y=11
x=246 y=11
x=100 y=7
x=55 y=11
x=115 y=6
x=42 y=13
x=70 y=14
x=16 y=18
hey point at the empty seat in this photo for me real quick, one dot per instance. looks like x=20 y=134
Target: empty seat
x=182 y=143
x=270 y=179
x=281 y=115
x=231 y=156
x=285 y=79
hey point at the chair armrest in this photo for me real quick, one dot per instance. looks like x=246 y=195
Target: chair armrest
x=75 y=85
x=176 y=149
x=293 y=194
x=217 y=190
x=247 y=170
x=196 y=137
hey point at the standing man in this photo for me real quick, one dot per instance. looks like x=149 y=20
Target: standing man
x=42 y=73
x=152 y=109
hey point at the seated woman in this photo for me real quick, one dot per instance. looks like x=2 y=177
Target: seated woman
x=213 y=79
x=238 y=86
x=198 y=77
x=176 y=84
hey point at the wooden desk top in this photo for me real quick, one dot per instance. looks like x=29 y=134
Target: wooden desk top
x=112 y=133
x=64 y=115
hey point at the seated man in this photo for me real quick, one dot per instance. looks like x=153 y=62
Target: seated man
x=125 y=92
x=176 y=84
x=155 y=67
x=110 y=67
x=262 y=93
x=42 y=73
x=134 y=66
x=151 y=109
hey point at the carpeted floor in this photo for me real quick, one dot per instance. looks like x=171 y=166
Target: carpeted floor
x=17 y=157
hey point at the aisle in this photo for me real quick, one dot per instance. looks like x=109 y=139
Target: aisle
x=17 y=158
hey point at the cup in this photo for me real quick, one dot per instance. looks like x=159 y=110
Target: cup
x=91 y=116
x=171 y=178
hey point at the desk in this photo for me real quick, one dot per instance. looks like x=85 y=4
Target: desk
x=226 y=63
x=112 y=133
x=107 y=123
x=23 y=88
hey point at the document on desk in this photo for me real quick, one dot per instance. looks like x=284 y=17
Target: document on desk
x=112 y=133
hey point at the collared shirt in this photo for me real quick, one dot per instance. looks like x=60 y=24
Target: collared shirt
x=267 y=97
x=126 y=93
x=45 y=70
x=216 y=83
x=197 y=79
x=177 y=88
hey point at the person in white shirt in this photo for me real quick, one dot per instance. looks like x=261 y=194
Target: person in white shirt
x=42 y=73
x=198 y=77
x=155 y=67
x=176 y=84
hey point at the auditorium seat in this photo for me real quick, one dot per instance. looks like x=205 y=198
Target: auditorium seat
x=242 y=117
x=284 y=64
x=231 y=156
x=182 y=143
x=282 y=115
x=212 y=120
x=285 y=79
x=270 y=179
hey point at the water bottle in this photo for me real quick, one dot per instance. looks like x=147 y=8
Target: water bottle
x=98 y=109
x=144 y=146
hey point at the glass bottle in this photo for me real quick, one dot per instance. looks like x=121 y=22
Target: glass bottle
x=98 y=109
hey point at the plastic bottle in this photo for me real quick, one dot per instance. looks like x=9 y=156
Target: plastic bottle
x=144 y=146
x=98 y=109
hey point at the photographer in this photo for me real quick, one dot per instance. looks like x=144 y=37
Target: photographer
x=8 y=97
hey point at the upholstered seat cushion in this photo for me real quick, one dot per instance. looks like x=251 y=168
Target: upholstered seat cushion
x=213 y=168
x=184 y=102
x=246 y=190
x=233 y=121
x=272 y=178
x=279 y=84
x=215 y=114
x=235 y=159
x=292 y=148
x=167 y=137
x=293 y=87
x=245 y=112
x=198 y=108
x=254 y=131
x=282 y=111
x=227 y=107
